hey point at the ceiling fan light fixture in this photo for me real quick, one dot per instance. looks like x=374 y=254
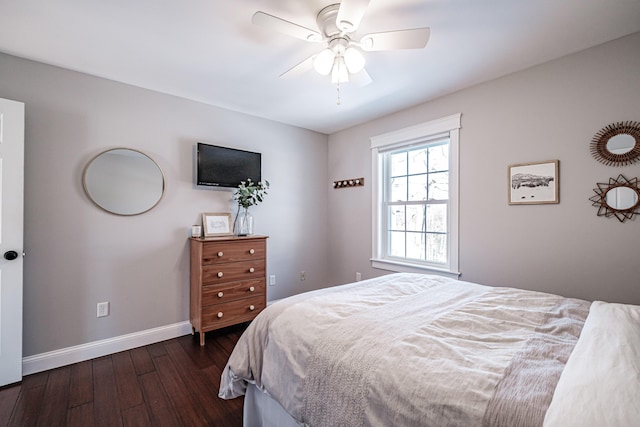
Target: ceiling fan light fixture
x=354 y=60
x=339 y=73
x=343 y=55
x=323 y=62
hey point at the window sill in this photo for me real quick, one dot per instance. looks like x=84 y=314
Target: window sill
x=401 y=267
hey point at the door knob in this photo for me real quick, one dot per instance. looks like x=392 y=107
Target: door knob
x=10 y=255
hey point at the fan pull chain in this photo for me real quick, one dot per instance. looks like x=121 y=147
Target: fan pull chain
x=338 y=102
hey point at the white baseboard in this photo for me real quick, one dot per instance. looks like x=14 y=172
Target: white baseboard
x=66 y=356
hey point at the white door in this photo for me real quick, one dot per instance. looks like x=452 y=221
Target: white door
x=11 y=239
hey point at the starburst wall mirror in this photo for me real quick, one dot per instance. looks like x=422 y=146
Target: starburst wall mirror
x=620 y=197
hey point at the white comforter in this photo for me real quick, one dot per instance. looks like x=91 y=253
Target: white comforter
x=409 y=349
x=412 y=350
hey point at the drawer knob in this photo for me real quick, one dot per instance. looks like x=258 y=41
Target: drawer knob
x=251 y=251
x=220 y=274
x=220 y=253
x=251 y=270
x=220 y=294
x=251 y=307
x=219 y=315
x=252 y=289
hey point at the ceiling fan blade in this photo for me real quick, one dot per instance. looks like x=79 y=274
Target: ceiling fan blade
x=350 y=14
x=285 y=27
x=298 y=69
x=361 y=78
x=402 y=39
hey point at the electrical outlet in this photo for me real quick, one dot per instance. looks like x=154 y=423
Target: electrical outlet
x=103 y=309
x=358 y=276
x=272 y=280
x=302 y=276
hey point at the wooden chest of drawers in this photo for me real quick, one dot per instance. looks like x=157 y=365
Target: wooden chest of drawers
x=228 y=281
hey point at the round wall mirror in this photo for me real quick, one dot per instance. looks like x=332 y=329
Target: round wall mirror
x=620 y=197
x=123 y=181
x=617 y=144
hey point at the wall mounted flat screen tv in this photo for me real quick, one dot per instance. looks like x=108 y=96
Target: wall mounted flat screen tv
x=225 y=167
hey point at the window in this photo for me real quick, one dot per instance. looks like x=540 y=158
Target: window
x=415 y=198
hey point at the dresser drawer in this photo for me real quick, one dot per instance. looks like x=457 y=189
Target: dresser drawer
x=233 y=312
x=222 y=273
x=216 y=294
x=222 y=252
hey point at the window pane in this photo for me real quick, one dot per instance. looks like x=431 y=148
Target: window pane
x=396 y=244
x=439 y=186
x=415 y=218
x=399 y=189
x=439 y=158
x=416 y=246
x=399 y=164
x=437 y=248
x=396 y=218
x=418 y=187
x=417 y=161
x=437 y=218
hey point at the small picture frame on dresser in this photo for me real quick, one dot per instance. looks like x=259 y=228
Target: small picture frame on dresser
x=216 y=224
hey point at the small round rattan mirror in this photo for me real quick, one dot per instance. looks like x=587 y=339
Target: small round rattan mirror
x=617 y=144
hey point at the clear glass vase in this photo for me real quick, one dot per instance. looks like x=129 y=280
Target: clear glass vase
x=244 y=222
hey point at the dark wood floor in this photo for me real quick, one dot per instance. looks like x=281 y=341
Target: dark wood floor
x=171 y=383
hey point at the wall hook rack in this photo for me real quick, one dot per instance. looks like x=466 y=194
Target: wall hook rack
x=353 y=182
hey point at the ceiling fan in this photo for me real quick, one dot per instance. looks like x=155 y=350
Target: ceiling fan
x=342 y=56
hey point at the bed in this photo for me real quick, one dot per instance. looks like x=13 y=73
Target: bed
x=420 y=350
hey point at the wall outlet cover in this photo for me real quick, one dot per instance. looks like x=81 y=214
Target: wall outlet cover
x=103 y=309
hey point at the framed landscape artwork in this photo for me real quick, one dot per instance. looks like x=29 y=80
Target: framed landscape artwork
x=216 y=224
x=533 y=183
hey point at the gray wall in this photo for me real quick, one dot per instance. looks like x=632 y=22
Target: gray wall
x=547 y=112
x=79 y=255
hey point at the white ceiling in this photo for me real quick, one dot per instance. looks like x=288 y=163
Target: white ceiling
x=209 y=51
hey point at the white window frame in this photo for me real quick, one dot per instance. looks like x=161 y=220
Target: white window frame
x=419 y=134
